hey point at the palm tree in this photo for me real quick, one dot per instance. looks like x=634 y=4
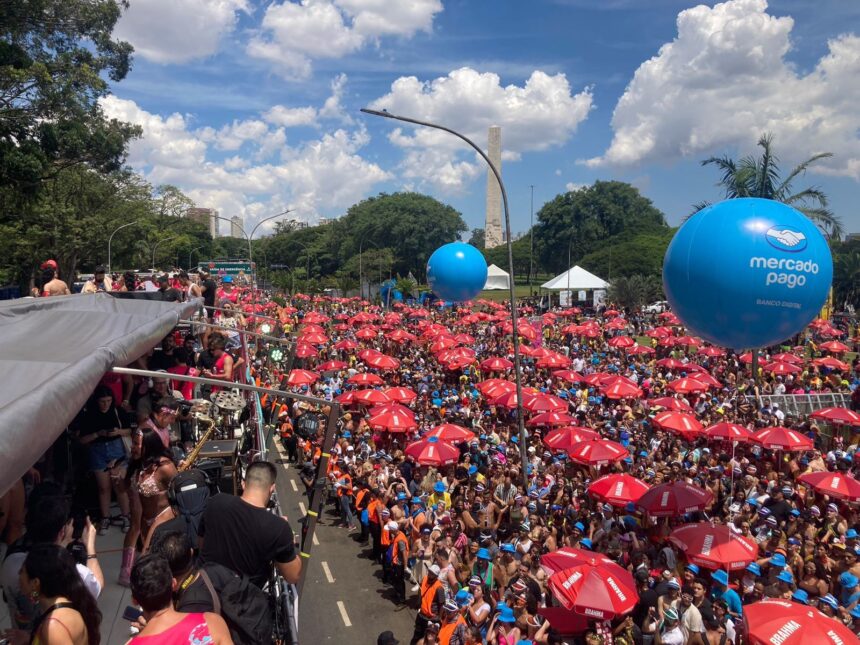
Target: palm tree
x=760 y=177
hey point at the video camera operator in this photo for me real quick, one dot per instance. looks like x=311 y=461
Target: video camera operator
x=241 y=534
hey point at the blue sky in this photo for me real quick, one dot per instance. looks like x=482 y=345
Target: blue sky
x=253 y=107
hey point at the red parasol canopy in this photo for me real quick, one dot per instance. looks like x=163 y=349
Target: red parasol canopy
x=302 y=377
x=550 y=419
x=345 y=344
x=496 y=364
x=542 y=402
x=838 y=485
x=679 y=423
x=401 y=394
x=370 y=397
x=729 y=432
x=595 y=588
x=393 y=421
x=331 y=366
x=365 y=378
x=714 y=546
x=782 y=368
x=686 y=385
x=303 y=350
x=675 y=498
x=837 y=415
x=568 y=375
x=618 y=489
x=834 y=346
x=565 y=438
x=620 y=387
x=383 y=362
x=670 y=403
x=568 y=556
x=597 y=453
x=433 y=452
x=779 y=438
x=621 y=342
x=451 y=432
x=773 y=621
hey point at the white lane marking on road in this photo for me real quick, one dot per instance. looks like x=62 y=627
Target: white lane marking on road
x=343 y=615
x=327 y=571
x=315 y=540
x=303 y=509
x=293 y=484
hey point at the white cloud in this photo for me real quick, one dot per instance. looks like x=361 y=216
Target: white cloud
x=291 y=117
x=318 y=176
x=539 y=115
x=725 y=80
x=572 y=186
x=177 y=31
x=292 y=34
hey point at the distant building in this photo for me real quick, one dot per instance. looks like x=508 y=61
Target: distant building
x=236 y=227
x=293 y=225
x=325 y=220
x=852 y=236
x=206 y=216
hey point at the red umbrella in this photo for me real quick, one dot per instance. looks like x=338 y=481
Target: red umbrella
x=370 y=397
x=347 y=398
x=345 y=344
x=685 y=425
x=714 y=546
x=835 y=346
x=303 y=350
x=313 y=338
x=726 y=431
x=781 y=622
x=838 y=485
x=675 y=498
x=568 y=375
x=779 y=438
x=686 y=385
x=595 y=588
x=451 y=432
x=620 y=388
x=509 y=399
x=541 y=402
x=443 y=342
x=302 y=377
x=390 y=407
x=465 y=339
x=553 y=361
x=597 y=453
x=550 y=419
x=785 y=357
x=568 y=556
x=671 y=363
x=782 y=368
x=365 y=378
x=831 y=363
x=312 y=329
x=704 y=377
x=670 y=403
x=330 y=366
x=315 y=317
x=494 y=387
x=618 y=489
x=383 y=362
x=838 y=415
x=622 y=342
x=565 y=438
x=401 y=394
x=638 y=350
x=710 y=351
x=393 y=421
x=366 y=333
x=496 y=364
x=596 y=379
x=400 y=336
x=433 y=452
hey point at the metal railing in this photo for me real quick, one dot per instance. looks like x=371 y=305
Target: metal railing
x=802 y=405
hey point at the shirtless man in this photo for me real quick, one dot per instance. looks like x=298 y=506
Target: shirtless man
x=51 y=283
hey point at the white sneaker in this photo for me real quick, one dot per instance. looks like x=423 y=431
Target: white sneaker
x=415 y=588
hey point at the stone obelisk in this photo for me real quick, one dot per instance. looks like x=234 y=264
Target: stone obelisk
x=493 y=222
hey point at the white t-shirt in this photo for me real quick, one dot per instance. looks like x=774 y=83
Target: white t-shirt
x=21 y=609
x=674 y=636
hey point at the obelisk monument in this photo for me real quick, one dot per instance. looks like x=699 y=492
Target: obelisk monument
x=493 y=222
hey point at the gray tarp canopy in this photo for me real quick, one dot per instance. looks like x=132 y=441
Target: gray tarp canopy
x=54 y=351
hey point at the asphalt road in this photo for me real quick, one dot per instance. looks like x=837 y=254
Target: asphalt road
x=343 y=600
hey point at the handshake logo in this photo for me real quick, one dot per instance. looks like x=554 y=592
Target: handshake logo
x=786 y=239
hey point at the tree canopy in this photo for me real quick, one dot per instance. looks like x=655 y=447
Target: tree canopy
x=631 y=252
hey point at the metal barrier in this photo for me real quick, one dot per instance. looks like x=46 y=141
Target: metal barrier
x=802 y=405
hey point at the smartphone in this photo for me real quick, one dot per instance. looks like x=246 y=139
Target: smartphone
x=79 y=522
x=131 y=614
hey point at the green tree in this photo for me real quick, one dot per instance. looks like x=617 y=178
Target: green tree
x=846 y=274
x=630 y=252
x=584 y=219
x=477 y=238
x=635 y=291
x=56 y=58
x=520 y=250
x=761 y=177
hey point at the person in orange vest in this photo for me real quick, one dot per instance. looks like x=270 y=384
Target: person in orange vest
x=362 y=502
x=399 y=556
x=453 y=629
x=343 y=484
x=431 y=598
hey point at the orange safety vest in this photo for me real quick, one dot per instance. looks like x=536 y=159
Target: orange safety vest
x=346 y=487
x=385 y=537
x=400 y=537
x=373 y=511
x=447 y=630
x=359 y=498
x=428 y=595
x=417 y=522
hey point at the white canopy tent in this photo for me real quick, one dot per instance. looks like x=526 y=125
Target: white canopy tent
x=497 y=278
x=575 y=279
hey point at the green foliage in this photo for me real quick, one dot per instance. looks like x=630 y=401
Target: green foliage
x=635 y=291
x=634 y=251
x=760 y=177
x=406 y=286
x=56 y=57
x=477 y=238
x=583 y=220
x=520 y=250
x=846 y=274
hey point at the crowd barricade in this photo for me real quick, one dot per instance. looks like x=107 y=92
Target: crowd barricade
x=801 y=405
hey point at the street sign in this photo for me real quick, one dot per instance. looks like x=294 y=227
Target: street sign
x=227 y=267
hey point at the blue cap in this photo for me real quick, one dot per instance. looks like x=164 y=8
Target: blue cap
x=401 y=497
x=800 y=596
x=754 y=569
x=585 y=543
x=506 y=616
x=484 y=554
x=227 y=278
x=721 y=577
x=851 y=534
x=795 y=512
x=785 y=576
x=417 y=500
x=829 y=600
x=692 y=567
x=752 y=501
x=855 y=613
x=778 y=560
x=580 y=526
x=347 y=434
x=507 y=547
x=439 y=487
x=848 y=580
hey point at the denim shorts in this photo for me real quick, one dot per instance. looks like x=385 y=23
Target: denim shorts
x=102 y=453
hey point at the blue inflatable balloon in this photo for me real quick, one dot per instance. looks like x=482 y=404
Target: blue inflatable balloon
x=456 y=271
x=747 y=273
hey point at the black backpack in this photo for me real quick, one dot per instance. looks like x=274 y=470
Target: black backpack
x=188 y=493
x=307 y=425
x=244 y=607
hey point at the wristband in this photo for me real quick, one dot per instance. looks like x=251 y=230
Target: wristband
x=92 y=556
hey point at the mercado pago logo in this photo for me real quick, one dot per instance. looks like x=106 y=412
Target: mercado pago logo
x=787 y=270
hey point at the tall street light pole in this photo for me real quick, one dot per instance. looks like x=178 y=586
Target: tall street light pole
x=513 y=294
x=254 y=230
x=110 y=239
x=531 y=236
x=157 y=244
x=191 y=254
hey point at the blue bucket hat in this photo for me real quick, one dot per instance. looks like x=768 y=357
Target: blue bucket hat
x=439 y=487
x=785 y=576
x=585 y=543
x=508 y=548
x=848 y=580
x=851 y=534
x=484 y=554
x=692 y=567
x=721 y=577
x=800 y=596
x=778 y=560
x=829 y=600
x=754 y=569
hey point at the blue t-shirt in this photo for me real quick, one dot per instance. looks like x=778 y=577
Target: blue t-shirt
x=733 y=600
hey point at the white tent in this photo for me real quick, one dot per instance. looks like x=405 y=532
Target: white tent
x=575 y=279
x=497 y=278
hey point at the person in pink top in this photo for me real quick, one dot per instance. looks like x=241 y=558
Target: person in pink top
x=152 y=589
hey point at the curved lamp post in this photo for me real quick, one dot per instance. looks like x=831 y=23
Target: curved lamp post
x=517 y=362
x=157 y=244
x=191 y=254
x=110 y=239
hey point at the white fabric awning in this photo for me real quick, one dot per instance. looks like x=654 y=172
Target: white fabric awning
x=53 y=353
x=497 y=278
x=575 y=279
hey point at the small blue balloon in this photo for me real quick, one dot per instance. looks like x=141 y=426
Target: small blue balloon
x=457 y=272
x=747 y=273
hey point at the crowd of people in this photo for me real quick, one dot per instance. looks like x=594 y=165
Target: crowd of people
x=473 y=516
